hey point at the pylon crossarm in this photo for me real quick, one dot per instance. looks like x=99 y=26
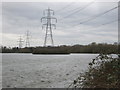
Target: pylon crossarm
x=53 y=26
x=54 y=18
x=52 y=11
x=43 y=18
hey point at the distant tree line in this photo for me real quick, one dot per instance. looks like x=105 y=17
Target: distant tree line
x=90 y=48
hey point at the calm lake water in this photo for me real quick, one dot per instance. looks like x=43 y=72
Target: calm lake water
x=42 y=71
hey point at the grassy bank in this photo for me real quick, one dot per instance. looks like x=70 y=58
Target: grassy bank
x=103 y=72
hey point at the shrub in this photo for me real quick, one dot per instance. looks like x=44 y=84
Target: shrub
x=103 y=72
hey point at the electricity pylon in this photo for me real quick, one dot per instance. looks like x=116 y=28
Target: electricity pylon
x=20 y=42
x=49 y=26
x=27 y=39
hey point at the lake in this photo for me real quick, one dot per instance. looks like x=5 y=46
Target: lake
x=42 y=71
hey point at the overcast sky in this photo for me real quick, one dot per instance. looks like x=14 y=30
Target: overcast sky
x=18 y=17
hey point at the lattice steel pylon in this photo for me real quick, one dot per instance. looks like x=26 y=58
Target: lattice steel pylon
x=20 y=42
x=49 y=26
x=27 y=39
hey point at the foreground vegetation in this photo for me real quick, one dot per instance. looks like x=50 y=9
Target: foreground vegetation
x=103 y=72
x=90 y=48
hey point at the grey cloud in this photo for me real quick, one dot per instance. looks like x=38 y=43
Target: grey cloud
x=20 y=17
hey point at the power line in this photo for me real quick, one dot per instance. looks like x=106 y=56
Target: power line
x=104 y=24
x=99 y=15
x=74 y=9
x=94 y=17
x=78 y=10
x=65 y=6
x=108 y=23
